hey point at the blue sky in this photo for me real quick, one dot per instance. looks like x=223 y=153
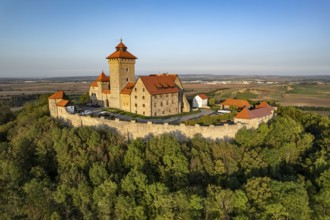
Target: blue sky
x=45 y=38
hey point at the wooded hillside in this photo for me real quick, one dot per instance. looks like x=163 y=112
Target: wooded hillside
x=49 y=171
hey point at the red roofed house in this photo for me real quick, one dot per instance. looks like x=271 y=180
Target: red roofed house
x=254 y=117
x=238 y=103
x=154 y=95
x=58 y=104
x=200 y=101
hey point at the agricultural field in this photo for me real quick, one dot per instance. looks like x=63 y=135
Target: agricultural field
x=284 y=92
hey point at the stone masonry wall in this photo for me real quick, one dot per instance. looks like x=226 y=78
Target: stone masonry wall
x=132 y=129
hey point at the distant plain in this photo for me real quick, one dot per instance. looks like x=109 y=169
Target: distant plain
x=295 y=91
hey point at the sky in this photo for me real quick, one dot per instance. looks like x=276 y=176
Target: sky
x=47 y=38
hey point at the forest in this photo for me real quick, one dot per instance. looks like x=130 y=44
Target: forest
x=51 y=171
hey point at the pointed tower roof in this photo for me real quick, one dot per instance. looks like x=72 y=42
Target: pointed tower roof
x=121 y=52
x=102 y=78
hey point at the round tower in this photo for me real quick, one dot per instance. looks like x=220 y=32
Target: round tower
x=122 y=70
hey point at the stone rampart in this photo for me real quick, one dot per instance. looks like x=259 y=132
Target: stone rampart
x=133 y=129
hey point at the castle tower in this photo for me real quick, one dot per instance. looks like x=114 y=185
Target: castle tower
x=122 y=71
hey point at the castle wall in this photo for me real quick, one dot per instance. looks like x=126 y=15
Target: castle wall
x=165 y=104
x=95 y=96
x=52 y=107
x=126 y=102
x=185 y=103
x=122 y=71
x=140 y=99
x=132 y=129
x=255 y=121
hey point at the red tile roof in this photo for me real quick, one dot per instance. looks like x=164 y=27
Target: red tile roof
x=121 y=52
x=203 y=96
x=264 y=104
x=62 y=103
x=57 y=95
x=128 y=88
x=160 y=84
x=255 y=113
x=236 y=102
x=94 y=84
x=101 y=78
x=106 y=91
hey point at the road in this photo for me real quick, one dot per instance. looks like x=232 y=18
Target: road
x=172 y=120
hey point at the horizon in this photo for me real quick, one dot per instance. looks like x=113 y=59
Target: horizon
x=183 y=75
x=241 y=38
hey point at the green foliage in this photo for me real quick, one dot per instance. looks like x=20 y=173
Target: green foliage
x=277 y=171
x=83 y=99
x=5 y=114
x=212 y=119
x=211 y=102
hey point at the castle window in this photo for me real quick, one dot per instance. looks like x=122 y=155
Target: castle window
x=143 y=113
x=126 y=79
x=155 y=114
x=135 y=112
x=127 y=70
x=136 y=97
x=163 y=112
x=143 y=105
x=142 y=97
x=135 y=89
x=166 y=102
x=135 y=105
x=142 y=89
x=161 y=103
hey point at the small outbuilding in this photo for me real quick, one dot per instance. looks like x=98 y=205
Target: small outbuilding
x=200 y=101
x=262 y=113
x=238 y=103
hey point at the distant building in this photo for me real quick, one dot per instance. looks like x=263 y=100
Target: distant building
x=153 y=95
x=262 y=113
x=238 y=103
x=200 y=101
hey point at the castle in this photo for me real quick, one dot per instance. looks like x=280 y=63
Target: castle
x=153 y=95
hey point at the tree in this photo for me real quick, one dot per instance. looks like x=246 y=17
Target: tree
x=211 y=101
x=84 y=98
x=224 y=204
x=104 y=197
x=6 y=114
